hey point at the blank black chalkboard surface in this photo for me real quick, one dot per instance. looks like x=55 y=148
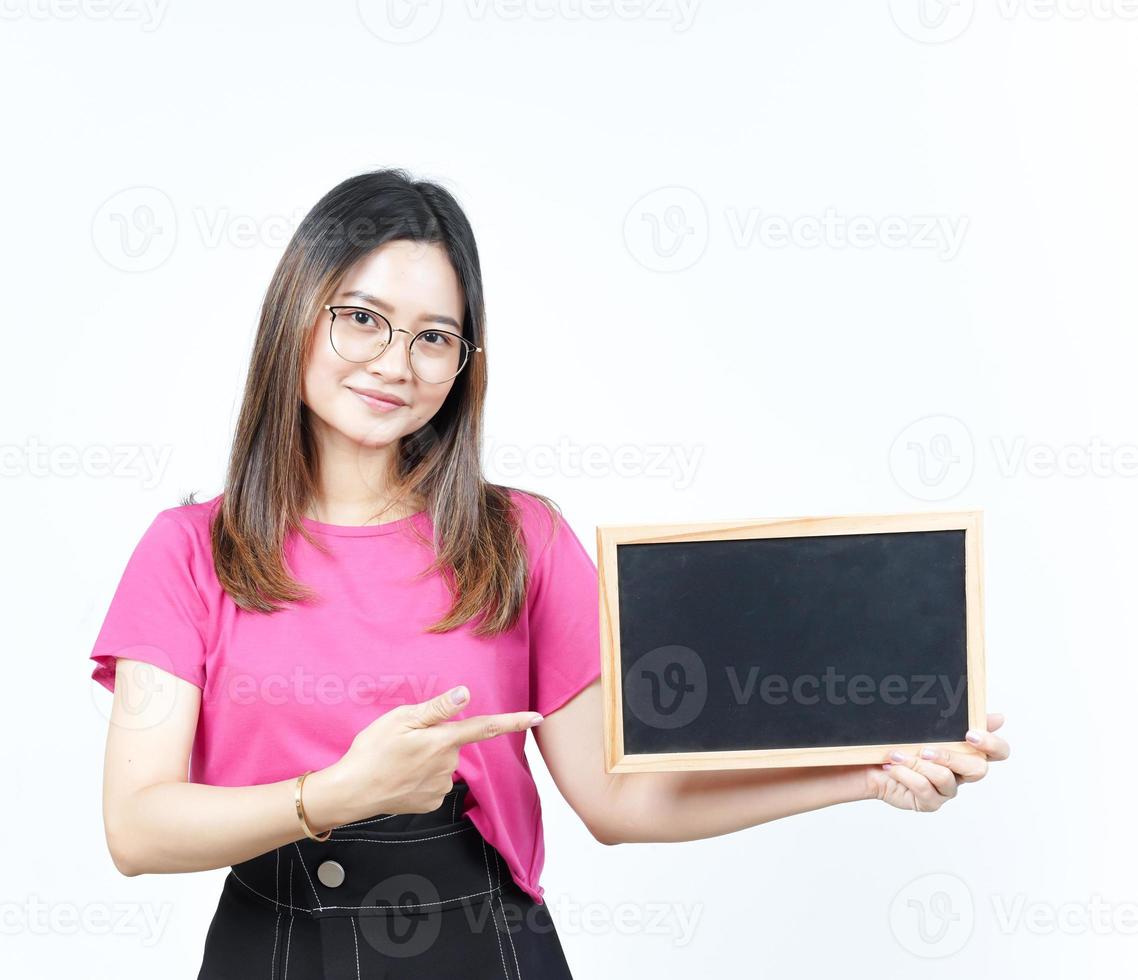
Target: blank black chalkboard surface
x=790 y=641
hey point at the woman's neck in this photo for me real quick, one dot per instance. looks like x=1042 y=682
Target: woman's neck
x=347 y=513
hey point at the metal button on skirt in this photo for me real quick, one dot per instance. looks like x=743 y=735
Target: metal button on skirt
x=394 y=896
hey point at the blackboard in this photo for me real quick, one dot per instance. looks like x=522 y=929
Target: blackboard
x=794 y=641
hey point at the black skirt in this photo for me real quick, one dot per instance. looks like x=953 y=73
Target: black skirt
x=394 y=896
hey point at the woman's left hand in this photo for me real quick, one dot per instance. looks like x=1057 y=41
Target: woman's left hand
x=924 y=782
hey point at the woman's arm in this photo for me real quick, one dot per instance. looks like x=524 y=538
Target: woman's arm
x=642 y=807
x=155 y=821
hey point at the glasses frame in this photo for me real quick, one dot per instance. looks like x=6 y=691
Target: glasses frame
x=471 y=347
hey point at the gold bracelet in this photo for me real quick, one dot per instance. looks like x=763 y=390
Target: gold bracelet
x=300 y=811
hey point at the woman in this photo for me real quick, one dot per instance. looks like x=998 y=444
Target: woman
x=291 y=658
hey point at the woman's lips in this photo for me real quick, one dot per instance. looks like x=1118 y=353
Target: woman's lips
x=377 y=404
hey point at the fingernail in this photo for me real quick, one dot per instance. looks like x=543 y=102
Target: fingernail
x=928 y=753
x=458 y=695
x=887 y=765
x=973 y=737
x=898 y=756
x=536 y=720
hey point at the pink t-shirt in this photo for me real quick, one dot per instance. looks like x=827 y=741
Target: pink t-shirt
x=288 y=691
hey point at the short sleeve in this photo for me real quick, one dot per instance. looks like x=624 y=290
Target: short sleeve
x=157 y=614
x=564 y=621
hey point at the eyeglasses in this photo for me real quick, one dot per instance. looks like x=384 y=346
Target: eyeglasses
x=361 y=335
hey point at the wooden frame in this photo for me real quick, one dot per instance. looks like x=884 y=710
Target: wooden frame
x=610 y=537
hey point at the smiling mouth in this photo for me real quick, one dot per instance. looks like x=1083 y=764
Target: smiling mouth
x=380 y=404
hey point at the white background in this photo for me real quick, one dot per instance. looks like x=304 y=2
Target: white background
x=628 y=170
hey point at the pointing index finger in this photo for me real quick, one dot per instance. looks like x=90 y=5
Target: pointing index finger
x=482 y=727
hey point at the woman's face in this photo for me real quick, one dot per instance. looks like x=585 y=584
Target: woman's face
x=415 y=287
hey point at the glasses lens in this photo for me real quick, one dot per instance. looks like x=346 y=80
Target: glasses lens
x=359 y=335
x=437 y=356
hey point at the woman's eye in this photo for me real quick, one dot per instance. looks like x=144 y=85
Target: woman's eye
x=436 y=339
x=363 y=319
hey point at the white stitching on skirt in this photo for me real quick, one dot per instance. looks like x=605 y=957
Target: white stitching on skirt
x=356 y=941
x=277 y=925
x=279 y=905
x=291 y=917
x=509 y=935
x=410 y=840
x=409 y=905
x=315 y=896
x=501 y=952
x=354 y=908
x=360 y=823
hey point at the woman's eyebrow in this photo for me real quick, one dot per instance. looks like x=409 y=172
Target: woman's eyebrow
x=388 y=308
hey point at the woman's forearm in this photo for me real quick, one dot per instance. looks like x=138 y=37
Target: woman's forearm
x=659 y=807
x=179 y=826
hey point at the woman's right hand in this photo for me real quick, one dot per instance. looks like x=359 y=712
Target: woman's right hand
x=403 y=762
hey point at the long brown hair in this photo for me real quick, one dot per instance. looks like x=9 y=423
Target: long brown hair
x=273 y=464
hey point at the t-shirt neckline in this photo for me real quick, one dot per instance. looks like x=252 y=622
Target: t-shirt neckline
x=364 y=530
